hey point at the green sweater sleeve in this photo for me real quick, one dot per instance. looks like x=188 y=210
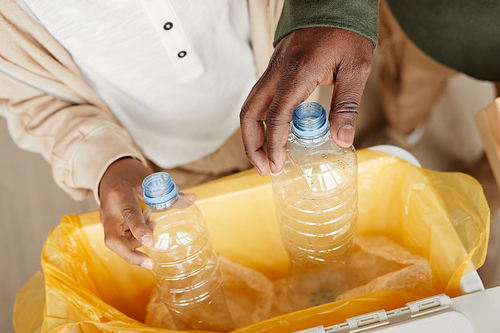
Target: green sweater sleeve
x=359 y=16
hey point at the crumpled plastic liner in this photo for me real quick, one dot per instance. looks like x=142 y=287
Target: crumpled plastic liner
x=442 y=217
x=249 y=294
x=377 y=264
x=380 y=264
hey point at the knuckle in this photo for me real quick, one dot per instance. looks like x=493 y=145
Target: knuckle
x=249 y=152
x=245 y=113
x=274 y=118
x=360 y=67
x=347 y=106
x=113 y=193
x=129 y=214
x=364 y=68
x=132 y=258
x=298 y=71
x=293 y=65
x=109 y=241
x=133 y=219
x=137 y=230
x=103 y=215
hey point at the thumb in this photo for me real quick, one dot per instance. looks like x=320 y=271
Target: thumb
x=346 y=98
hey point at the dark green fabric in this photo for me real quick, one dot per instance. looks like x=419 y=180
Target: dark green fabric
x=461 y=34
x=360 y=16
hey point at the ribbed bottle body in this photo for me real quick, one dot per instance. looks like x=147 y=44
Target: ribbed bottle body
x=316 y=205
x=186 y=271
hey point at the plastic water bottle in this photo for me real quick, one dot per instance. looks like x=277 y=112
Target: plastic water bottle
x=186 y=271
x=316 y=205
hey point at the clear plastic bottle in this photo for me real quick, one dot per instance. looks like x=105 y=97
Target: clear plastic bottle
x=316 y=205
x=186 y=271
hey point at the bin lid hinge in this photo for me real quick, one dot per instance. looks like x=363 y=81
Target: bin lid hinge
x=367 y=321
x=428 y=305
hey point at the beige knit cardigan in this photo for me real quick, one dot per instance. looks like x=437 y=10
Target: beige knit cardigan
x=51 y=110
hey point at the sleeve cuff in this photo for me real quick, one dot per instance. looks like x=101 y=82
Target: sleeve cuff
x=97 y=152
x=359 y=16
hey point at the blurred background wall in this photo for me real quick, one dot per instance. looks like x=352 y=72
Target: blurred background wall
x=31 y=205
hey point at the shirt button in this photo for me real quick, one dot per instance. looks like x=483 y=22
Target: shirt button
x=181 y=54
x=168 y=26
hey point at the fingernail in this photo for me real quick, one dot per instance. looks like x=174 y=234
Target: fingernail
x=147 y=240
x=258 y=170
x=147 y=264
x=345 y=134
x=273 y=167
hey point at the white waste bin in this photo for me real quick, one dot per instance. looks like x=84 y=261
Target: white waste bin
x=476 y=311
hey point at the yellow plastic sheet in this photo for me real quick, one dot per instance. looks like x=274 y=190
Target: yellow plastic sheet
x=443 y=217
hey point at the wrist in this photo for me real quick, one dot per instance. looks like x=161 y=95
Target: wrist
x=126 y=167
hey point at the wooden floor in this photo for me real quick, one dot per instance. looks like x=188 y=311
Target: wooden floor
x=31 y=204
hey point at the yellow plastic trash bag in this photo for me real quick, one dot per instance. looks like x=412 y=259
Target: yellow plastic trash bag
x=442 y=217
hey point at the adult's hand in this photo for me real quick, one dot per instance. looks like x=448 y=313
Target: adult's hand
x=302 y=60
x=125 y=229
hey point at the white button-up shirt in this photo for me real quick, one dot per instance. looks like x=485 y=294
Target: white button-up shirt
x=174 y=72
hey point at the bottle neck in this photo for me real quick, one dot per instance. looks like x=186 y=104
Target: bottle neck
x=309 y=121
x=163 y=206
x=304 y=142
x=159 y=191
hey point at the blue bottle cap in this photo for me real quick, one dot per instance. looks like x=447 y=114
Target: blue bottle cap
x=309 y=121
x=159 y=188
